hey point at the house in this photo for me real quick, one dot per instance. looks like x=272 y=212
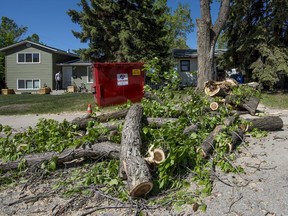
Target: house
x=187 y=64
x=30 y=66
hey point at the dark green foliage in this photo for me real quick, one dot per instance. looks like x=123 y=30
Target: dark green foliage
x=122 y=30
x=131 y=30
x=257 y=37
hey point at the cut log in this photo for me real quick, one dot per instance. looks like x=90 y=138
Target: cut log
x=157 y=122
x=151 y=96
x=112 y=115
x=221 y=89
x=214 y=106
x=83 y=121
x=212 y=89
x=159 y=156
x=104 y=150
x=156 y=155
x=191 y=129
x=132 y=166
x=208 y=144
x=237 y=138
x=266 y=123
x=250 y=103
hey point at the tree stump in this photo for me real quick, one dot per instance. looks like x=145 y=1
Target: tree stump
x=133 y=166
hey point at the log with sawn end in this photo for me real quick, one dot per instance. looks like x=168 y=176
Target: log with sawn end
x=208 y=144
x=266 y=123
x=133 y=166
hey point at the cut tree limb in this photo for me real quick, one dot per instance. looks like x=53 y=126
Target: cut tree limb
x=221 y=89
x=105 y=149
x=208 y=144
x=212 y=89
x=237 y=138
x=157 y=122
x=191 y=129
x=132 y=166
x=156 y=155
x=250 y=103
x=266 y=123
x=83 y=121
x=151 y=96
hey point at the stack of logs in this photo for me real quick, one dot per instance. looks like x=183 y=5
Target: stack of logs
x=133 y=166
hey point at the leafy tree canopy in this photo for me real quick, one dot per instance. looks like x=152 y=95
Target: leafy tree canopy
x=257 y=34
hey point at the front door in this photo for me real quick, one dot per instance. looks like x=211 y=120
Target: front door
x=67 y=76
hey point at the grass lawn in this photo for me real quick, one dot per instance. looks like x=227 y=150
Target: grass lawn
x=277 y=100
x=72 y=102
x=16 y=104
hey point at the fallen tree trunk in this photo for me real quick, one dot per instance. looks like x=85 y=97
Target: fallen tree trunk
x=105 y=149
x=132 y=166
x=266 y=123
x=209 y=143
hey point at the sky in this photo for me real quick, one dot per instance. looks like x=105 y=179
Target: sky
x=50 y=21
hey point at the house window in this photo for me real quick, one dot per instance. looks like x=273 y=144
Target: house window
x=89 y=75
x=28 y=58
x=185 y=65
x=28 y=84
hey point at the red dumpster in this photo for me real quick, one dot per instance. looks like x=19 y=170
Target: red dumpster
x=115 y=83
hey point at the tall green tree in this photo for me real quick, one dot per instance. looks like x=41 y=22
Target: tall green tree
x=179 y=24
x=124 y=30
x=257 y=33
x=10 y=33
x=131 y=30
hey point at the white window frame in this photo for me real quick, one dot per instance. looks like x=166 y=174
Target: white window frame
x=189 y=65
x=25 y=62
x=90 y=70
x=25 y=81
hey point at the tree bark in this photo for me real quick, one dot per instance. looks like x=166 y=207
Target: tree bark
x=104 y=150
x=236 y=139
x=191 y=129
x=207 y=35
x=266 y=123
x=250 y=103
x=133 y=166
x=208 y=144
x=83 y=121
x=157 y=122
x=151 y=96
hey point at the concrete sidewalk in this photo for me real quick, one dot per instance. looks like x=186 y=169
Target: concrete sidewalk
x=20 y=122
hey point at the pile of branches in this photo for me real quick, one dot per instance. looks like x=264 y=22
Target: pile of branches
x=142 y=160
